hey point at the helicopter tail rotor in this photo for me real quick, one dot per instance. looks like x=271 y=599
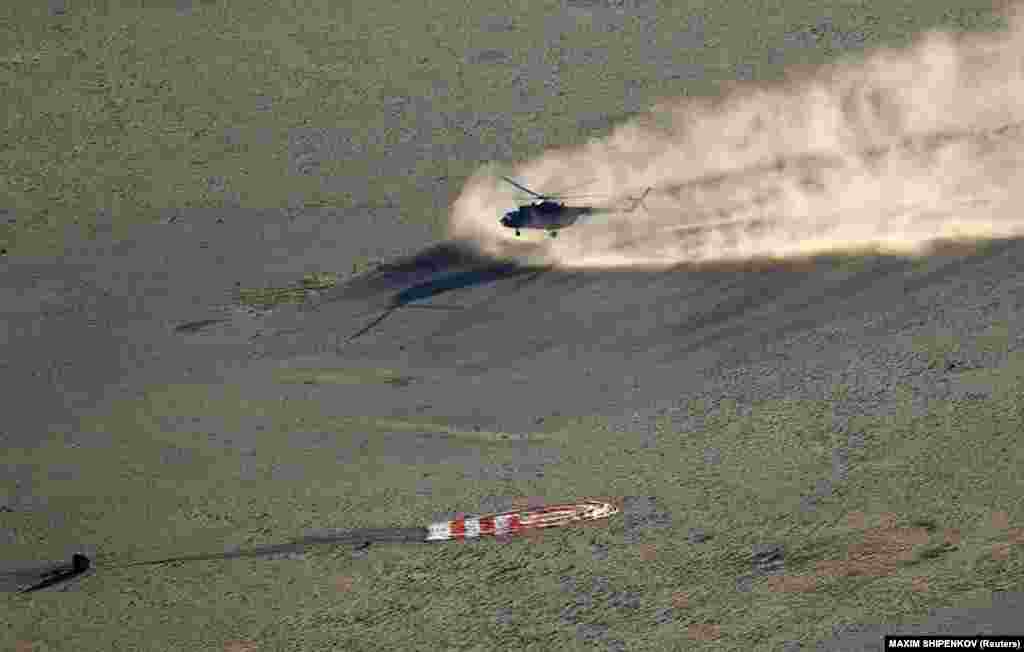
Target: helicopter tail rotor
x=639 y=201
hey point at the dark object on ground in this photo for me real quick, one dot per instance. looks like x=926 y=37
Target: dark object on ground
x=52 y=575
x=63 y=573
x=196 y=326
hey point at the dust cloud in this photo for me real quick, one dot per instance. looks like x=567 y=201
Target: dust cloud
x=890 y=153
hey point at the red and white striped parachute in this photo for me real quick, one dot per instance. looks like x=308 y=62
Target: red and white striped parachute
x=516 y=521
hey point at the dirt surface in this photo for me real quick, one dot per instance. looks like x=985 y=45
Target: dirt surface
x=808 y=453
x=522 y=348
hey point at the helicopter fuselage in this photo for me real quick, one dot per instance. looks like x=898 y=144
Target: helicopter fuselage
x=549 y=216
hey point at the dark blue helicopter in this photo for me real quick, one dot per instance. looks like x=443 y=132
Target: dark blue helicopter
x=551 y=215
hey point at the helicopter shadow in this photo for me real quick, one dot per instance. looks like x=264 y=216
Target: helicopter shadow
x=413 y=282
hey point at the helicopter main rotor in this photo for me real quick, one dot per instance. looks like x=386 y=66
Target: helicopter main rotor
x=558 y=198
x=527 y=190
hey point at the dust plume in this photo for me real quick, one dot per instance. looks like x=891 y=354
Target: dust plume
x=891 y=153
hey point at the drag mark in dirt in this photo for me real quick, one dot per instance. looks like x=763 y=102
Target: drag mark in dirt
x=511 y=523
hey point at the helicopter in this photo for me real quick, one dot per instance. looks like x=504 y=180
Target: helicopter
x=549 y=214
